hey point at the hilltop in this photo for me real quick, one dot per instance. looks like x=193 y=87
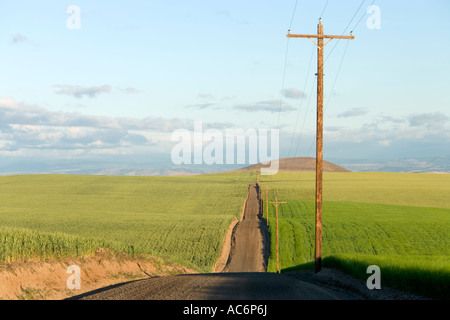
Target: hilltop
x=299 y=164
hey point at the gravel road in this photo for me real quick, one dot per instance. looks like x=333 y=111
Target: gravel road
x=249 y=244
x=244 y=276
x=215 y=286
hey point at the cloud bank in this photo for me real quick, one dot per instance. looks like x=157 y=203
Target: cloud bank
x=29 y=127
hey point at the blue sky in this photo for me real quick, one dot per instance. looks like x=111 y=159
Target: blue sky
x=136 y=71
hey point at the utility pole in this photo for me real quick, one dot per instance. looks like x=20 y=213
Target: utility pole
x=276 y=203
x=267 y=206
x=259 y=187
x=319 y=137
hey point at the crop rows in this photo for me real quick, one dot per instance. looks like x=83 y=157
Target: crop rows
x=181 y=218
x=397 y=221
x=25 y=244
x=360 y=228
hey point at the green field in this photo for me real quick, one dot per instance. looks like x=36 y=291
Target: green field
x=182 y=218
x=399 y=221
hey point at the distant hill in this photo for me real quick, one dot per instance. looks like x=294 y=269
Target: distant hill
x=298 y=164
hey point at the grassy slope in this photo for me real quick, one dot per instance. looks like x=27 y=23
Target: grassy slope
x=392 y=219
x=182 y=218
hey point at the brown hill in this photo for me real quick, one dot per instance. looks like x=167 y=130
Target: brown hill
x=298 y=164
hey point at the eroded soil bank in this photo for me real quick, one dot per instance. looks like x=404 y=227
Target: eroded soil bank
x=48 y=280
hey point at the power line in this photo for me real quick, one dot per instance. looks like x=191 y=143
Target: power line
x=295 y=128
x=345 y=30
x=301 y=102
x=326 y=107
x=283 y=81
x=329 y=97
x=362 y=16
x=323 y=10
x=293 y=14
x=332 y=49
x=345 y=50
x=357 y=10
x=285 y=65
x=335 y=80
x=306 y=114
x=337 y=74
x=306 y=80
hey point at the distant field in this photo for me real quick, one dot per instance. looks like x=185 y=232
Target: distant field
x=181 y=218
x=398 y=221
x=415 y=189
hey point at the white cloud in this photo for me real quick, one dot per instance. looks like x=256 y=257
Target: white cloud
x=8 y=102
x=129 y=90
x=268 y=105
x=18 y=38
x=79 y=92
x=355 y=112
x=208 y=96
x=201 y=106
x=429 y=120
x=293 y=93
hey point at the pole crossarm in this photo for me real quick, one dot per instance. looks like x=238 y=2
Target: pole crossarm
x=318 y=36
x=277 y=203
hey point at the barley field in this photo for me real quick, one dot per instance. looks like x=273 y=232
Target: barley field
x=399 y=221
x=183 y=218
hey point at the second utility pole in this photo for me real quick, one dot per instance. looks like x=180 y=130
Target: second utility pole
x=267 y=206
x=276 y=203
x=319 y=138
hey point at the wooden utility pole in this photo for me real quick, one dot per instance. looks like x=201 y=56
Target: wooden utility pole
x=259 y=187
x=319 y=138
x=276 y=203
x=267 y=206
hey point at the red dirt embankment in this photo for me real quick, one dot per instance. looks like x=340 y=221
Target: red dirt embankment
x=47 y=280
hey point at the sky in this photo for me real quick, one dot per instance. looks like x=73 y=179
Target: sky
x=104 y=79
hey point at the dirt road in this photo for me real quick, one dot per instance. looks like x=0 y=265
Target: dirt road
x=215 y=286
x=243 y=277
x=249 y=244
